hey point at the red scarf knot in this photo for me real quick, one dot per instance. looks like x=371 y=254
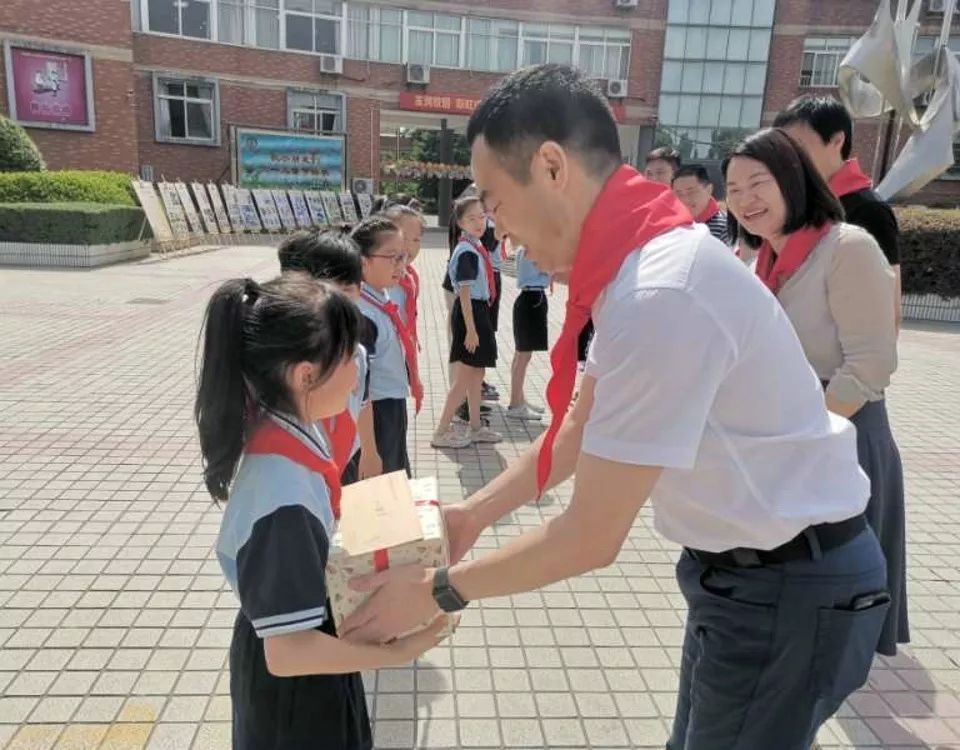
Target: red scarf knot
x=712 y=209
x=775 y=269
x=849 y=179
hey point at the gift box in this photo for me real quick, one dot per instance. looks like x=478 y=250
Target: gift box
x=385 y=522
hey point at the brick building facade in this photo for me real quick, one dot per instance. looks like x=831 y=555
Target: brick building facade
x=171 y=79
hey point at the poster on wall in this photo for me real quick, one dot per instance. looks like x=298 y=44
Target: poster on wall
x=348 y=207
x=49 y=87
x=251 y=218
x=206 y=210
x=153 y=209
x=287 y=218
x=366 y=204
x=232 y=201
x=223 y=218
x=300 y=210
x=189 y=209
x=332 y=207
x=268 y=210
x=315 y=204
x=174 y=209
x=283 y=160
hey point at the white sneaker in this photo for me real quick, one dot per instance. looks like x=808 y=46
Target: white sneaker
x=537 y=409
x=522 y=412
x=485 y=435
x=452 y=438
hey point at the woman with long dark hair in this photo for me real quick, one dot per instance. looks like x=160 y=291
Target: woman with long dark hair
x=838 y=290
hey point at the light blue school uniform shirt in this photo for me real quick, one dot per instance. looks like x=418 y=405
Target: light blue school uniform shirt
x=479 y=289
x=529 y=276
x=275 y=535
x=388 y=365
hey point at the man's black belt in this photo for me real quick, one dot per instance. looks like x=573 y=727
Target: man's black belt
x=809 y=544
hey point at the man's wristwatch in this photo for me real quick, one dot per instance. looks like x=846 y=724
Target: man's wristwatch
x=445 y=595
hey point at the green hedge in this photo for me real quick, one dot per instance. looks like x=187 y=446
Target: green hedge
x=67 y=187
x=18 y=152
x=71 y=223
x=930 y=250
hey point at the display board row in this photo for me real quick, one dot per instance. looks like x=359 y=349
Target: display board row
x=177 y=210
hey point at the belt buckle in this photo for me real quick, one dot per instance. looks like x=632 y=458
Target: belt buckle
x=746 y=558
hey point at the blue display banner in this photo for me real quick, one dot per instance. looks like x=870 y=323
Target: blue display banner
x=271 y=159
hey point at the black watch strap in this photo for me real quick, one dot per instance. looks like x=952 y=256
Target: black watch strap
x=445 y=595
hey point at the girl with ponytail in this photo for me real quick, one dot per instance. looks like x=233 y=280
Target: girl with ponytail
x=277 y=359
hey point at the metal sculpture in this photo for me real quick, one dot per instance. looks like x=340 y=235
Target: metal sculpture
x=880 y=75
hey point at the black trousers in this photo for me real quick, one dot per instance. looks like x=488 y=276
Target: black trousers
x=390 y=431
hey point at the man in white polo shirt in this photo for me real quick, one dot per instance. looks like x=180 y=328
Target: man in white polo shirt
x=698 y=396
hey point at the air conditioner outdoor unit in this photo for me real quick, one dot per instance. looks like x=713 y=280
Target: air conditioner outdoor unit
x=936 y=6
x=626 y=3
x=331 y=64
x=417 y=73
x=616 y=88
x=362 y=185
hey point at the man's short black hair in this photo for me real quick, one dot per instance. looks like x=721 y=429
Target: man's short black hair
x=809 y=201
x=667 y=154
x=694 y=170
x=547 y=103
x=823 y=114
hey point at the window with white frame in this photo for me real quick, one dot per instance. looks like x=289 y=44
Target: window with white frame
x=313 y=25
x=604 y=53
x=821 y=60
x=315 y=111
x=548 y=43
x=374 y=33
x=187 y=110
x=492 y=44
x=434 y=39
x=232 y=21
x=181 y=17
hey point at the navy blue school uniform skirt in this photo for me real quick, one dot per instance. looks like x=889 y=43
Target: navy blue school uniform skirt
x=485 y=355
x=315 y=712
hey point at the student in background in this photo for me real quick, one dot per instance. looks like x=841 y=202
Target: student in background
x=529 y=333
x=824 y=128
x=474 y=345
x=333 y=257
x=393 y=358
x=695 y=190
x=407 y=292
x=277 y=359
x=662 y=165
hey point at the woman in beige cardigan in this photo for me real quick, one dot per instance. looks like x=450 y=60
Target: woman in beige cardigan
x=838 y=290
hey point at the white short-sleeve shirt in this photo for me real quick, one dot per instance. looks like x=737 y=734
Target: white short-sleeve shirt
x=699 y=371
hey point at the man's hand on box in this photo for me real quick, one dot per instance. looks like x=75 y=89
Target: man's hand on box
x=413 y=646
x=462 y=532
x=402 y=600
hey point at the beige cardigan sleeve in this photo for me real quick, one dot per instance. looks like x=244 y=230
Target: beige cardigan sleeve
x=860 y=292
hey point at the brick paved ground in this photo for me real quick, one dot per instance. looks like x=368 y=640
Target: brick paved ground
x=115 y=620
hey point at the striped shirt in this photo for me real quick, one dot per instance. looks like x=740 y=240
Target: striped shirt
x=717 y=225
